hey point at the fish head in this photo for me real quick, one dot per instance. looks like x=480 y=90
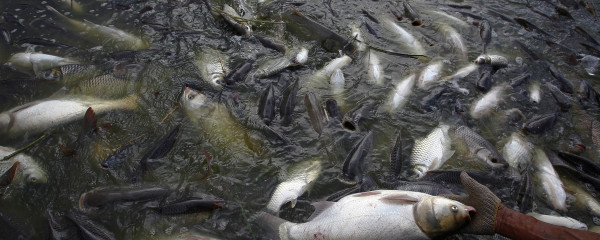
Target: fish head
x=419 y=171
x=494 y=160
x=53 y=74
x=193 y=99
x=483 y=59
x=437 y=216
x=35 y=175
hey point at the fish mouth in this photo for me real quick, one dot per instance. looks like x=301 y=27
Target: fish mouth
x=580 y=147
x=471 y=211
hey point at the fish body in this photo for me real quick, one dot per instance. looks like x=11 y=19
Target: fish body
x=561 y=98
x=105 y=86
x=463 y=72
x=315 y=112
x=430 y=74
x=487 y=103
x=35 y=117
x=484 y=83
x=90 y=229
x=288 y=102
x=325 y=73
x=190 y=206
x=401 y=92
x=337 y=82
x=266 y=105
x=535 y=94
x=583 y=199
x=379 y=214
x=27 y=170
x=213 y=68
x=485 y=32
x=375 y=71
x=229 y=13
x=103 y=196
x=113 y=38
x=565 y=84
x=35 y=63
x=454 y=39
x=412 y=44
x=540 y=123
x=355 y=162
x=71 y=74
x=559 y=221
x=432 y=151
x=296 y=181
x=548 y=181
x=518 y=153
x=412 y=14
x=496 y=61
x=480 y=147
x=518 y=80
x=274 y=67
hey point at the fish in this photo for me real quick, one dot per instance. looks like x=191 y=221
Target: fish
x=333 y=111
x=484 y=83
x=416 y=216
x=159 y=150
x=535 y=94
x=356 y=160
x=429 y=102
x=547 y=179
x=412 y=14
x=321 y=77
x=559 y=221
x=34 y=117
x=353 y=117
x=561 y=99
x=35 y=63
x=454 y=38
x=396 y=158
x=431 y=152
x=487 y=102
x=453 y=176
x=190 y=206
x=539 y=124
x=60 y=227
x=100 y=197
x=213 y=67
x=240 y=73
x=579 y=162
x=564 y=84
x=28 y=171
x=583 y=199
x=274 y=67
x=430 y=74
x=71 y=74
x=518 y=153
x=518 y=80
x=295 y=181
x=587 y=93
x=109 y=37
x=496 y=61
x=331 y=41
x=525 y=195
x=454 y=19
x=463 y=72
x=231 y=17
x=399 y=96
x=357 y=35
x=315 y=112
x=270 y=43
x=266 y=105
x=337 y=82
x=481 y=147
x=90 y=229
x=9 y=174
x=105 y=86
x=375 y=71
x=288 y=102
x=485 y=32
x=411 y=44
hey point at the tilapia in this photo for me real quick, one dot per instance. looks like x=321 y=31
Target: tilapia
x=431 y=152
x=540 y=123
x=35 y=63
x=375 y=71
x=379 y=214
x=583 y=199
x=559 y=221
x=35 y=117
x=109 y=37
x=549 y=182
x=295 y=181
x=28 y=171
x=518 y=153
x=480 y=147
x=430 y=74
x=488 y=102
x=412 y=45
x=399 y=96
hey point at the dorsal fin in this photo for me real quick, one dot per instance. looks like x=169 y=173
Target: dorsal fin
x=9 y=175
x=319 y=208
x=400 y=198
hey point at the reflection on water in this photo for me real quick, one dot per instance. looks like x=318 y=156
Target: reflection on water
x=206 y=163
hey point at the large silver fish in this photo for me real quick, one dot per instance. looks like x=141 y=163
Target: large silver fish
x=213 y=67
x=432 y=151
x=454 y=39
x=380 y=214
x=518 y=152
x=319 y=78
x=583 y=199
x=400 y=94
x=35 y=63
x=35 y=117
x=109 y=37
x=559 y=221
x=548 y=181
x=375 y=70
x=488 y=102
x=298 y=179
x=411 y=44
x=480 y=147
x=430 y=74
x=28 y=171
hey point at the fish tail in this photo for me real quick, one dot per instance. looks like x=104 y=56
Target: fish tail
x=272 y=225
x=78 y=25
x=130 y=102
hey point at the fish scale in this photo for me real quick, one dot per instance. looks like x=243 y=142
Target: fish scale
x=432 y=151
x=518 y=153
x=481 y=147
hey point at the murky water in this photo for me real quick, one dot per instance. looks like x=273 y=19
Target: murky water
x=200 y=167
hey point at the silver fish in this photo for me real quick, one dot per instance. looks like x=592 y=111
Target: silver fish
x=28 y=171
x=430 y=74
x=548 y=181
x=337 y=82
x=320 y=78
x=488 y=102
x=36 y=63
x=455 y=39
x=518 y=152
x=70 y=74
x=583 y=199
x=432 y=151
x=375 y=71
x=297 y=180
x=213 y=67
x=463 y=72
x=559 y=221
x=535 y=94
x=379 y=214
x=35 y=117
x=399 y=96
x=496 y=61
x=480 y=147
x=357 y=34
x=412 y=45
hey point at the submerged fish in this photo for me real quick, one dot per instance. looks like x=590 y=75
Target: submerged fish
x=231 y=16
x=27 y=169
x=480 y=147
x=455 y=39
x=35 y=117
x=399 y=96
x=375 y=71
x=496 y=61
x=380 y=214
x=109 y=37
x=355 y=162
x=320 y=77
x=296 y=180
x=583 y=199
x=548 y=180
x=35 y=63
x=488 y=102
x=103 y=196
x=518 y=152
x=535 y=94
x=412 y=45
x=559 y=221
x=190 y=206
x=485 y=32
x=90 y=229
x=540 y=123
x=430 y=74
x=432 y=151
x=71 y=74
x=266 y=105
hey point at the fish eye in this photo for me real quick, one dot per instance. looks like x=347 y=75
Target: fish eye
x=191 y=96
x=33 y=179
x=494 y=160
x=454 y=208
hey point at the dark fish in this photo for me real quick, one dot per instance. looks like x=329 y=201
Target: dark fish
x=527 y=50
x=460 y=107
x=190 y=206
x=459 y=6
x=559 y=164
x=355 y=115
x=485 y=81
x=540 y=123
x=530 y=26
x=60 y=228
x=367 y=184
x=453 y=176
x=355 y=162
x=514 y=116
x=9 y=175
x=330 y=40
x=103 y=196
x=315 y=112
x=525 y=196
x=581 y=31
x=288 y=102
x=519 y=80
x=90 y=229
x=333 y=110
x=396 y=156
x=412 y=14
x=270 y=43
x=565 y=84
x=485 y=32
x=587 y=93
x=89 y=124
x=481 y=148
x=266 y=105
x=430 y=188
x=370 y=16
x=117 y=159
x=581 y=163
x=160 y=149
x=562 y=99
x=432 y=98
x=240 y=73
